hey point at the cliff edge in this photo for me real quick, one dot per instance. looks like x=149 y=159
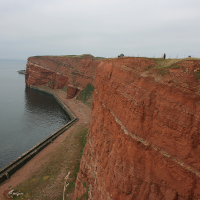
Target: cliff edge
x=144 y=137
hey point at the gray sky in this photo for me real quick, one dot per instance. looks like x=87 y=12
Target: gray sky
x=100 y=27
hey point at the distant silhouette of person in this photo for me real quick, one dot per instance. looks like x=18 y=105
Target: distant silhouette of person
x=164 y=55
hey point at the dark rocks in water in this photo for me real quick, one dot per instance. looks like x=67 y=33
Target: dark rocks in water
x=21 y=71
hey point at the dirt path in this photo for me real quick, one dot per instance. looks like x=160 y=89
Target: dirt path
x=83 y=112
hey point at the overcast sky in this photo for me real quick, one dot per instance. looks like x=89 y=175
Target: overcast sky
x=103 y=28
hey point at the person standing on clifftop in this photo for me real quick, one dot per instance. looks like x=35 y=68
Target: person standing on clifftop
x=164 y=55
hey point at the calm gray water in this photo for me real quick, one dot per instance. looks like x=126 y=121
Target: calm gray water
x=27 y=116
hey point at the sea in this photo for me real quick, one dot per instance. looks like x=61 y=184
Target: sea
x=27 y=116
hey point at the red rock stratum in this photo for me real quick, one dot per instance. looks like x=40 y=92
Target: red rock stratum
x=60 y=71
x=144 y=137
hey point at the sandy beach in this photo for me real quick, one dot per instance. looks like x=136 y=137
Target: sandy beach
x=83 y=112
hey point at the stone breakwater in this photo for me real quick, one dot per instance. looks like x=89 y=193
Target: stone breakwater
x=144 y=138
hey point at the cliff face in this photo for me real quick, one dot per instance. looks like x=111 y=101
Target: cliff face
x=144 y=137
x=61 y=71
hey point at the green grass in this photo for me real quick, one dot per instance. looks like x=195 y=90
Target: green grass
x=52 y=82
x=175 y=67
x=163 y=65
x=77 y=56
x=81 y=137
x=169 y=63
x=86 y=94
x=72 y=56
x=197 y=74
x=83 y=140
x=99 y=58
x=163 y=71
x=72 y=73
x=59 y=74
x=65 y=89
x=85 y=55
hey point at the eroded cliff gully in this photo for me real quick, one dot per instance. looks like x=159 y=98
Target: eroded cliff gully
x=143 y=141
x=60 y=71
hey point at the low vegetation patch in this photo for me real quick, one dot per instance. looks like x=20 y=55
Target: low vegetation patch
x=86 y=94
x=197 y=74
x=163 y=65
x=65 y=89
x=99 y=58
x=72 y=73
x=51 y=82
x=37 y=56
x=163 y=71
x=81 y=137
x=174 y=67
x=70 y=56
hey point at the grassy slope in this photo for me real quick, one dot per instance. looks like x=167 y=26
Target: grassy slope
x=86 y=95
x=162 y=65
x=169 y=63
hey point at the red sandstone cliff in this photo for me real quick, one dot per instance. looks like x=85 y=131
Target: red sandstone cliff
x=144 y=138
x=61 y=71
